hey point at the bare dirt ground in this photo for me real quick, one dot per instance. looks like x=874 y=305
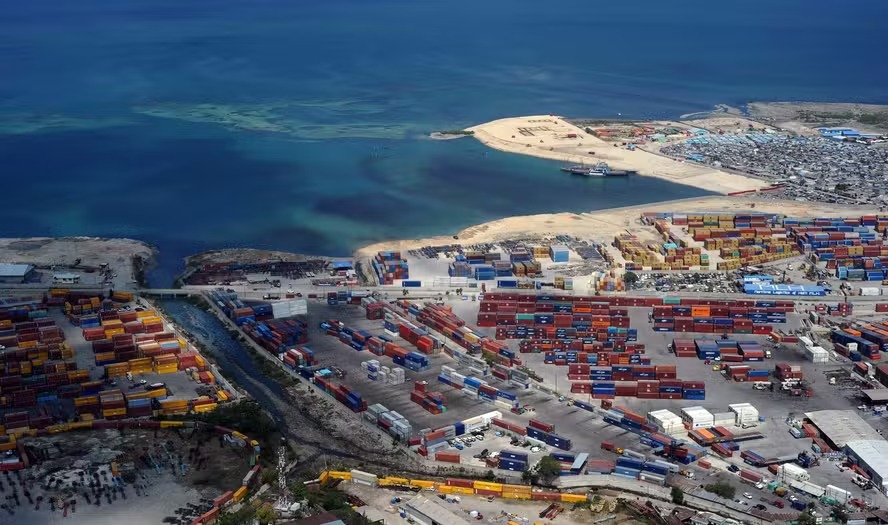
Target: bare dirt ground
x=603 y=225
x=60 y=254
x=806 y=116
x=245 y=255
x=76 y=466
x=552 y=137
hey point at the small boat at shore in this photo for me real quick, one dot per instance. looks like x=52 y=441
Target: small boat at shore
x=599 y=169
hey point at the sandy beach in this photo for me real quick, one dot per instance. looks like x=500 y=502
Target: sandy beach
x=552 y=137
x=603 y=225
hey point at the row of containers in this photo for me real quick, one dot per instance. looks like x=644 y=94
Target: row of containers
x=237 y=311
x=850 y=343
x=451 y=327
x=431 y=402
x=573 y=357
x=606 y=337
x=377 y=345
x=435 y=440
x=451 y=487
x=580 y=346
x=392 y=422
x=581 y=372
x=535 y=434
x=677 y=450
x=477 y=388
x=724 y=349
x=643 y=389
x=276 y=335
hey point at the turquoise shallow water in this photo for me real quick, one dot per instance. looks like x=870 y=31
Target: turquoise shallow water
x=299 y=125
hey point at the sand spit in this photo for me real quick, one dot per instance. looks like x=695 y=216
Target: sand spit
x=552 y=137
x=603 y=225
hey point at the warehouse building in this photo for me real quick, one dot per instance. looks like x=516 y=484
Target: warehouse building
x=15 y=273
x=840 y=427
x=872 y=456
x=429 y=512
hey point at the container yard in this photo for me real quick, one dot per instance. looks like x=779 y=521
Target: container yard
x=79 y=356
x=625 y=385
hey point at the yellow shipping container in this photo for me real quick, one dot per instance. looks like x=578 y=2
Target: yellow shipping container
x=111 y=332
x=146 y=314
x=423 y=484
x=167 y=369
x=445 y=489
x=112 y=412
x=516 y=495
x=389 y=481
x=483 y=485
x=209 y=407
x=112 y=323
x=85 y=400
x=157 y=392
x=171 y=424
x=239 y=494
x=336 y=474
x=573 y=498
x=28 y=344
x=463 y=490
x=7 y=446
x=221 y=395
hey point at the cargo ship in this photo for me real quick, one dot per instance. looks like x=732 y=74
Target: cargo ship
x=600 y=169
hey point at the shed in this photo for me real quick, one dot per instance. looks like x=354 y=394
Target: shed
x=429 y=512
x=15 y=273
x=842 y=426
x=341 y=265
x=876 y=397
x=872 y=456
x=66 y=278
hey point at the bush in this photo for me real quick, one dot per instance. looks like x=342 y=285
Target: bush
x=678 y=496
x=725 y=490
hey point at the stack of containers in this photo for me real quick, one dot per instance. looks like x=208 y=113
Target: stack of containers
x=113 y=404
x=389 y=266
x=432 y=402
x=514 y=461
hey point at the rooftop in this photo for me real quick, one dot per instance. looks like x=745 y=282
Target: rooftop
x=873 y=452
x=437 y=513
x=876 y=396
x=843 y=426
x=14 y=270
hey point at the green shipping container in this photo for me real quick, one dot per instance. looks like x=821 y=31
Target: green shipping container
x=672 y=300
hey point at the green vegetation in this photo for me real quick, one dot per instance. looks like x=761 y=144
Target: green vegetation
x=244 y=516
x=630 y=278
x=678 y=496
x=806 y=518
x=139 y=273
x=842 y=187
x=265 y=514
x=725 y=490
x=548 y=469
x=246 y=417
x=879 y=118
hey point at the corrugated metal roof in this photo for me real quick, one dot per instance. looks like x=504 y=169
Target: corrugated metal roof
x=873 y=452
x=14 y=270
x=876 y=396
x=842 y=426
x=434 y=511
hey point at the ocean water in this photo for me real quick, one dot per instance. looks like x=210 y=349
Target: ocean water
x=300 y=125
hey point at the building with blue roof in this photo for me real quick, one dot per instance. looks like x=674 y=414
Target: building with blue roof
x=760 y=288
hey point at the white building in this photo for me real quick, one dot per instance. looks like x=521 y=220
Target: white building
x=66 y=278
x=872 y=457
x=696 y=417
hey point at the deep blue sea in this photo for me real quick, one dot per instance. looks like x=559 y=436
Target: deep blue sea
x=299 y=125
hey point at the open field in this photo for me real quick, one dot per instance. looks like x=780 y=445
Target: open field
x=59 y=255
x=801 y=116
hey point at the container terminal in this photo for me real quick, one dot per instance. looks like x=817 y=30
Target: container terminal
x=483 y=358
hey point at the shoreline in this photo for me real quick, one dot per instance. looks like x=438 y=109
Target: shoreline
x=602 y=225
x=554 y=138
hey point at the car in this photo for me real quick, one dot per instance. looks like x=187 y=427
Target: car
x=747 y=495
x=792 y=498
x=777 y=503
x=498 y=434
x=458 y=446
x=733 y=468
x=760 y=485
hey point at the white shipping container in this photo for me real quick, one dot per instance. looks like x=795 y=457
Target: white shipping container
x=364 y=476
x=817 y=354
x=724 y=419
x=745 y=413
x=289 y=308
x=697 y=417
x=790 y=472
x=805 y=341
x=870 y=291
x=838 y=494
